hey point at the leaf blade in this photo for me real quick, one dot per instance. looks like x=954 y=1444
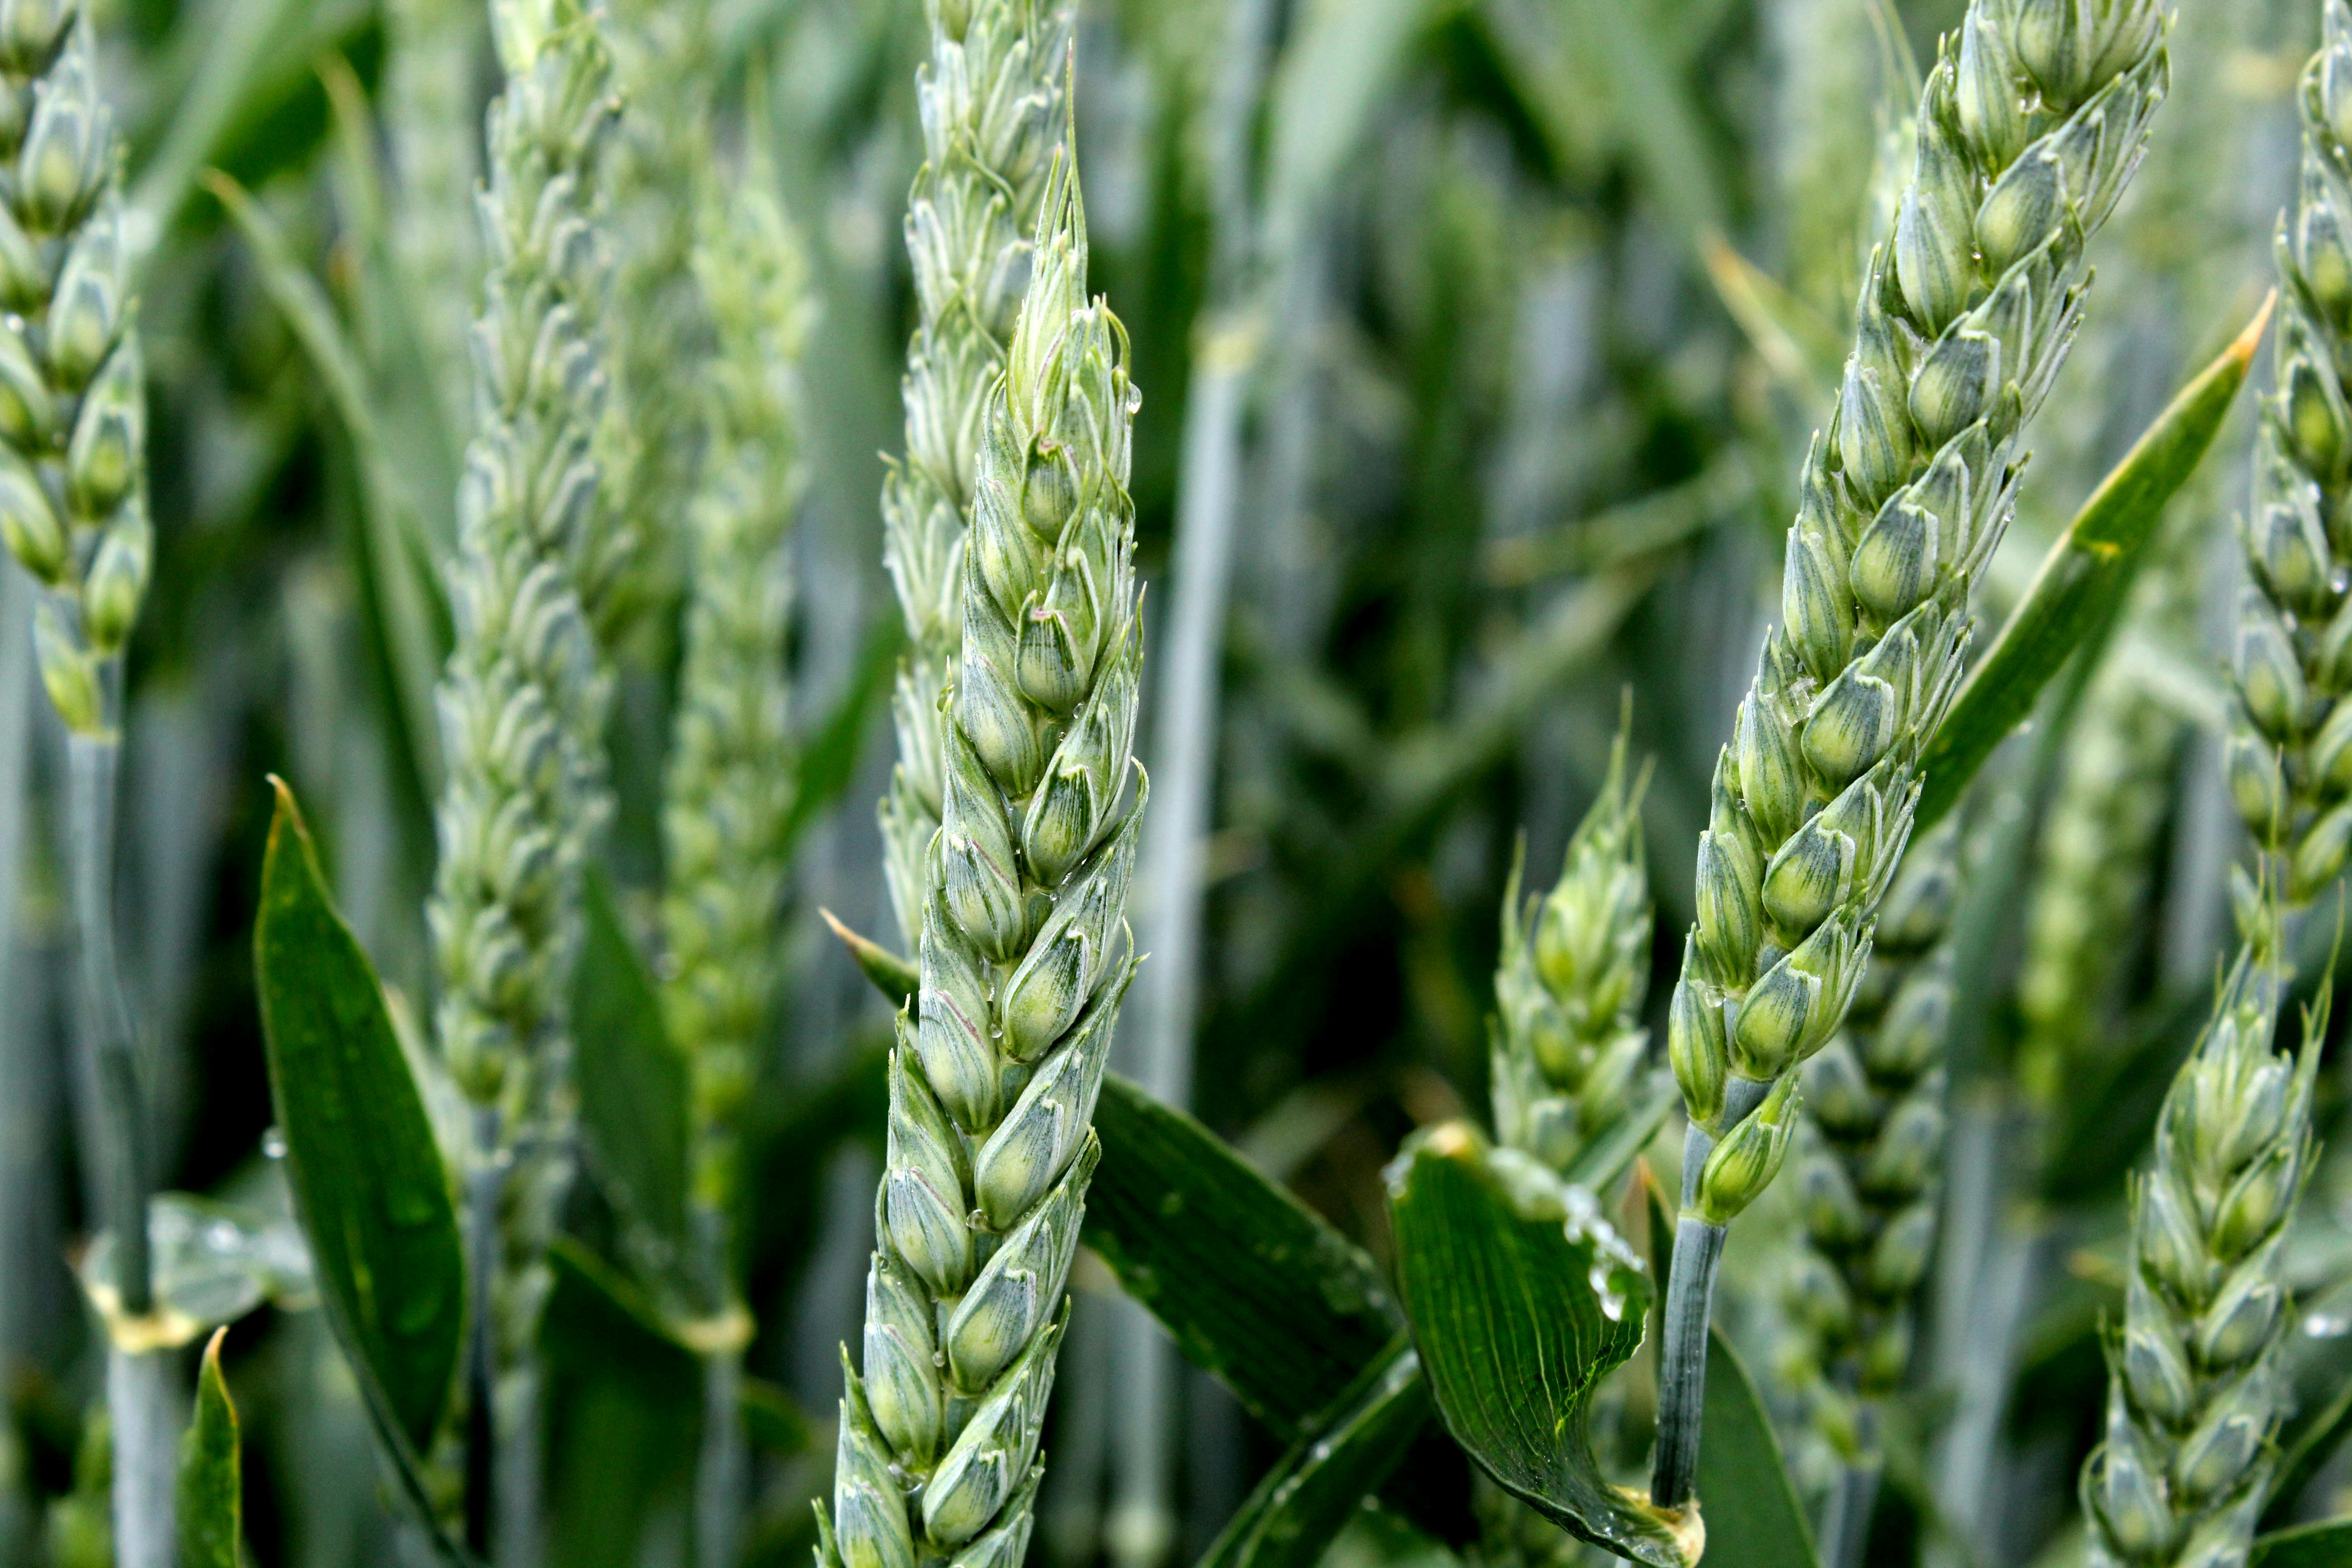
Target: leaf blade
x=367 y=1181
x=1292 y=1515
x=1255 y=1287
x=211 y=1482
x=2327 y=1544
x=634 y=1115
x=1513 y=1335
x=2081 y=586
x=1744 y=1489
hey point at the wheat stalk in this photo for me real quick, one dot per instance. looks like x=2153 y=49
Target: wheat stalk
x=990 y=99
x=1567 y=1046
x=2194 y=1392
x=1025 y=955
x=2290 y=759
x=2030 y=123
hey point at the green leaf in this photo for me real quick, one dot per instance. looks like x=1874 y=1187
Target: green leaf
x=597 y=1322
x=1255 y=1288
x=1744 y=1492
x=2327 y=1544
x=2081 y=586
x=773 y=1419
x=829 y=762
x=634 y=1115
x=624 y=1412
x=211 y=1490
x=894 y=976
x=2308 y=1447
x=367 y=1182
x=1292 y=1515
x=1343 y=59
x=416 y=617
x=1522 y=1299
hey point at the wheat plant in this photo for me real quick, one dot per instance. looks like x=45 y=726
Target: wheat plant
x=991 y=107
x=2030 y=125
x=2290 y=754
x=73 y=423
x=1570 y=1057
x=1869 y=1158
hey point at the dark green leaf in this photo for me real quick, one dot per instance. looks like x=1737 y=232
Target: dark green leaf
x=829 y=761
x=2082 y=580
x=773 y=1418
x=2327 y=1544
x=1257 y=1289
x=624 y=1412
x=894 y=976
x=1291 y=1516
x=1496 y=1262
x=597 y=1322
x=1744 y=1494
x=367 y=1182
x=415 y=618
x=211 y=1490
x=635 y=1116
x=2309 y=1446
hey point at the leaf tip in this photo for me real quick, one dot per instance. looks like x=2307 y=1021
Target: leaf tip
x=2243 y=348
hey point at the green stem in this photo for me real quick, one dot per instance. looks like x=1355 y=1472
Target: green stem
x=723 y=1466
x=484 y=1188
x=93 y=762
x=138 y=1400
x=1854 y=1496
x=1690 y=1303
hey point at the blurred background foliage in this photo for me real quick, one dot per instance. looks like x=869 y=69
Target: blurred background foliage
x=1532 y=305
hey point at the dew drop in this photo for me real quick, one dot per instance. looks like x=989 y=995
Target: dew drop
x=2326 y=1326
x=2339 y=580
x=273 y=1144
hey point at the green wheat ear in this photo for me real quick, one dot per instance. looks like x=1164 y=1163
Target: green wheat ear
x=2030 y=124
x=522 y=704
x=1025 y=955
x=2291 y=751
x=730 y=787
x=1569 y=1048
x=2195 y=1392
x=73 y=402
